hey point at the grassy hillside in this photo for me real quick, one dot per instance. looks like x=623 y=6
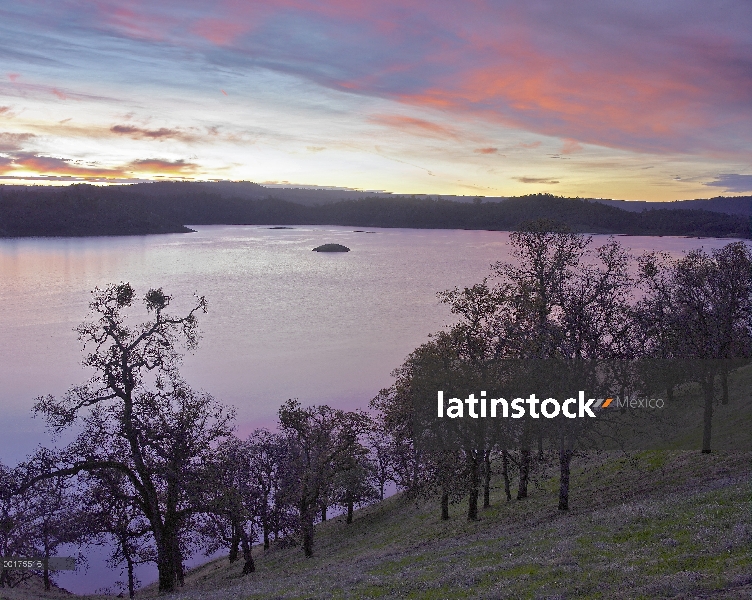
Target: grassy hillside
x=663 y=523
x=659 y=524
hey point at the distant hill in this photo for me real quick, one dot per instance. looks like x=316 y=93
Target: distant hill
x=253 y=191
x=167 y=207
x=313 y=196
x=737 y=205
x=79 y=210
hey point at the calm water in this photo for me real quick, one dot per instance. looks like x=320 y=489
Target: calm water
x=283 y=322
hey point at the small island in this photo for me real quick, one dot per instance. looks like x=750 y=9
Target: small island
x=331 y=248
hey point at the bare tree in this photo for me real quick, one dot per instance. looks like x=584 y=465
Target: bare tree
x=232 y=500
x=352 y=484
x=267 y=455
x=112 y=516
x=701 y=308
x=36 y=520
x=320 y=436
x=16 y=527
x=138 y=417
x=381 y=447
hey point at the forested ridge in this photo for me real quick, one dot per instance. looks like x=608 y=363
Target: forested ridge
x=81 y=210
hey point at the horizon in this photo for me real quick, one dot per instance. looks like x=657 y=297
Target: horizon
x=59 y=182
x=631 y=102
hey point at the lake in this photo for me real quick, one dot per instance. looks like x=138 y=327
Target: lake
x=283 y=321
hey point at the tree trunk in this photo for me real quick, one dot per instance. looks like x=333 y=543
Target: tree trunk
x=505 y=473
x=167 y=568
x=265 y=522
x=724 y=386
x=179 y=570
x=472 y=503
x=234 y=542
x=565 y=459
x=306 y=523
x=248 y=566
x=487 y=479
x=349 y=508
x=46 y=574
x=131 y=577
x=708 y=388
x=524 y=473
x=308 y=536
x=445 y=506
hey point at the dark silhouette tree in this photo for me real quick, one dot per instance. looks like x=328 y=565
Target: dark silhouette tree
x=319 y=437
x=138 y=416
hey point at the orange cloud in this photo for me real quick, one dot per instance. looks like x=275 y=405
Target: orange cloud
x=49 y=165
x=486 y=150
x=413 y=125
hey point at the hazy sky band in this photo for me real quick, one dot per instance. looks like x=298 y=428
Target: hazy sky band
x=631 y=100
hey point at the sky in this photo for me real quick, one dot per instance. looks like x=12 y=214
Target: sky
x=638 y=100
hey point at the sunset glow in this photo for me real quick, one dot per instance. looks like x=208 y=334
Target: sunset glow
x=624 y=100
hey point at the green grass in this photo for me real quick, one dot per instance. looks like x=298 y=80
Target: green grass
x=634 y=531
x=658 y=525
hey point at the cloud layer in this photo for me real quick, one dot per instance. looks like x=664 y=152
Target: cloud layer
x=671 y=77
x=732 y=182
x=410 y=86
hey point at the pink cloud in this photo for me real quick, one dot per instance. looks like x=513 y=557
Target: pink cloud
x=156 y=165
x=218 y=31
x=642 y=75
x=414 y=125
x=25 y=162
x=571 y=147
x=10 y=142
x=141 y=133
x=486 y=150
x=46 y=165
